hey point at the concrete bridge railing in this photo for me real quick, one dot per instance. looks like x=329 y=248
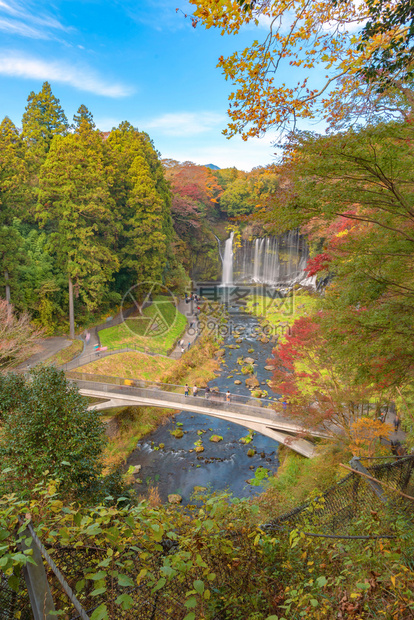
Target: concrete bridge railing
x=243 y=407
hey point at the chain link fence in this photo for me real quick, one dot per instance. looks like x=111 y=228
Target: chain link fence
x=337 y=509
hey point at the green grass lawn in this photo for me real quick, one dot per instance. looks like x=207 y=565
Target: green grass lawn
x=156 y=330
x=282 y=313
x=66 y=355
x=131 y=365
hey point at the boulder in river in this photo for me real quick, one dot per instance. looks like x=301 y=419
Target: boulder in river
x=252 y=382
x=174 y=498
x=268 y=367
x=136 y=469
x=237 y=382
x=178 y=433
x=251 y=452
x=199 y=449
x=216 y=438
x=248 y=360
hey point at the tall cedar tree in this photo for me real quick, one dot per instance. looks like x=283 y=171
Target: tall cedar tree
x=42 y=121
x=143 y=205
x=13 y=177
x=75 y=201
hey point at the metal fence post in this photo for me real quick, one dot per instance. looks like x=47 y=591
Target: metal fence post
x=355 y=463
x=36 y=581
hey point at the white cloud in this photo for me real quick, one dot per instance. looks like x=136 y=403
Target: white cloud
x=17 y=27
x=185 y=124
x=80 y=77
x=26 y=23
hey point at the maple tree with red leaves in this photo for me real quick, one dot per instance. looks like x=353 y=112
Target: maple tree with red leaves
x=319 y=390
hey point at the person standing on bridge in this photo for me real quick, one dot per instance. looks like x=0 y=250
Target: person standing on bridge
x=186 y=389
x=228 y=395
x=195 y=390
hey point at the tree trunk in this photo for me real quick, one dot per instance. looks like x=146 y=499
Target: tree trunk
x=9 y=308
x=71 y=311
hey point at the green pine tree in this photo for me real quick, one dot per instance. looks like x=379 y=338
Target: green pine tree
x=143 y=205
x=13 y=178
x=74 y=200
x=83 y=115
x=42 y=121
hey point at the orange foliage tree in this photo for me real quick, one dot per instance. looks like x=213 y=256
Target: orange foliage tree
x=366 y=435
x=325 y=39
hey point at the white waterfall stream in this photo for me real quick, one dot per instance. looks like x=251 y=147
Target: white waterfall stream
x=227 y=277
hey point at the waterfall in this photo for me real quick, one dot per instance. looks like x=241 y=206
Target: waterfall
x=227 y=278
x=256 y=263
x=276 y=261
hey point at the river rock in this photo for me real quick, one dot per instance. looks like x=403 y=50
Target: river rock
x=199 y=449
x=199 y=489
x=237 y=382
x=178 y=433
x=251 y=452
x=249 y=360
x=221 y=353
x=216 y=438
x=239 y=340
x=250 y=350
x=232 y=346
x=136 y=469
x=252 y=382
x=174 y=498
x=264 y=340
x=257 y=393
x=269 y=367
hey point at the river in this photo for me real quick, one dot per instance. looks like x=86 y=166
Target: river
x=224 y=465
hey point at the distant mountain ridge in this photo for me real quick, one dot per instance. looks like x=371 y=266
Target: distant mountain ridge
x=212 y=166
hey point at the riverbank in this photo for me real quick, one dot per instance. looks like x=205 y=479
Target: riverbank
x=196 y=366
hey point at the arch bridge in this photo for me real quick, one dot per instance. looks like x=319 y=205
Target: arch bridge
x=252 y=413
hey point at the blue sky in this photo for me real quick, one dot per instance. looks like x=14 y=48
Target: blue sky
x=139 y=61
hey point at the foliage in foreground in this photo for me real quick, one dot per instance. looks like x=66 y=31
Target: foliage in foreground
x=45 y=425
x=212 y=561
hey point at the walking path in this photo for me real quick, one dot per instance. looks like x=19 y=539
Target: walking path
x=188 y=310
x=48 y=348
